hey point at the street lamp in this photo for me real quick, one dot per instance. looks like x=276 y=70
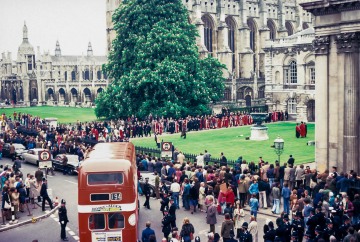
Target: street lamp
x=279 y=146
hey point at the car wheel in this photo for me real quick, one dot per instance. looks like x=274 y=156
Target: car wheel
x=70 y=172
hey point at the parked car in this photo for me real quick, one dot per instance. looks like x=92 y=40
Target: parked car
x=72 y=163
x=151 y=176
x=32 y=156
x=19 y=149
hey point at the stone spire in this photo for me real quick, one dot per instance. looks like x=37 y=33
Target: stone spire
x=57 y=49
x=25 y=32
x=89 y=50
x=25 y=48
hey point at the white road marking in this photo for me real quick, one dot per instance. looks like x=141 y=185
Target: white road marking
x=67 y=228
x=76 y=237
x=50 y=176
x=53 y=216
x=71 y=233
x=71 y=182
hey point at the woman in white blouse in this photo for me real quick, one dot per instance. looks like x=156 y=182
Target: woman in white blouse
x=239 y=215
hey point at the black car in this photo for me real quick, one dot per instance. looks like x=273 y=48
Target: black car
x=19 y=149
x=151 y=176
x=72 y=163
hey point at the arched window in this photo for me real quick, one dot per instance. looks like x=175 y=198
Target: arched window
x=65 y=75
x=231 y=38
x=311 y=72
x=73 y=76
x=261 y=92
x=208 y=33
x=240 y=94
x=227 y=94
x=289 y=28
x=272 y=28
x=87 y=75
x=291 y=105
x=252 y=27
x=290 y=73
x=293 y=72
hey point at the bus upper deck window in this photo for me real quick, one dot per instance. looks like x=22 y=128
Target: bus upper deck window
x=96 y=221
x=116 y=221
x=110 y=178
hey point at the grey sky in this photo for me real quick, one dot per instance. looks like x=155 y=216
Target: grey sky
x=73 y=22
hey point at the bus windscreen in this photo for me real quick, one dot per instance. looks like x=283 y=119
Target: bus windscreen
x=109 y=178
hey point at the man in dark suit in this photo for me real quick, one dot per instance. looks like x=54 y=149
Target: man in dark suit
x=291 y=160
x=147 y=193
x=172 y=212
x=166 y=222
x=63 y=219
x=44 y=195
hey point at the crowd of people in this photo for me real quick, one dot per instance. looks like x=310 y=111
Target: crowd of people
x=26 y=128
x=19 y=191
x=311 y=206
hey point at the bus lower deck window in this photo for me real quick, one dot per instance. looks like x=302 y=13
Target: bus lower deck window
x=96 y=221
x=116 y=221
x=109 y=178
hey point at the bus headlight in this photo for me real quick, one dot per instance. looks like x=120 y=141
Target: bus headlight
x=132 y=219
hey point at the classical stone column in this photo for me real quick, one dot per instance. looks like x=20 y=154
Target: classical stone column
x=321 y=48
x=26 y=89
x=348 y=43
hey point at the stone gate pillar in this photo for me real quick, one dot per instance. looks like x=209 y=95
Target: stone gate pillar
x=321 y=47
x=348 y=44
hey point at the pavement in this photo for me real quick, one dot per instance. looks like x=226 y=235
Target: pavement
x=31 y=214
x=44 y=226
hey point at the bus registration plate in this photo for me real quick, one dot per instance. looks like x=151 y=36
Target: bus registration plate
x=106 y=236
x=116 y=196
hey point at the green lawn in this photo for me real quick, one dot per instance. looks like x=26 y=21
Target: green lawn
x=232 y=142
x=64 y=114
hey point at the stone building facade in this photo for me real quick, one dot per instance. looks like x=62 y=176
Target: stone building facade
x=235 y=31
x=37 y=79
x=337 y=63
x=290 y=75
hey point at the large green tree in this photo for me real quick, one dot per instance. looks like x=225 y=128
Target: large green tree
x=155 y=66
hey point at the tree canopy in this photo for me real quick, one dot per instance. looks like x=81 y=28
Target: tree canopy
x=154 y=64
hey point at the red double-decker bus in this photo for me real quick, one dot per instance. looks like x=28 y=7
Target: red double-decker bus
x=107 y=194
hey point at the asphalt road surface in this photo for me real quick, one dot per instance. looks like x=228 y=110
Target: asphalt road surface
x=65 y=187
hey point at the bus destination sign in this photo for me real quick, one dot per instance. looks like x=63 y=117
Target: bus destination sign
x=107 y=208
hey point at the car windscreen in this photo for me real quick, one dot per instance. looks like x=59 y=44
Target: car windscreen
x=108 y=178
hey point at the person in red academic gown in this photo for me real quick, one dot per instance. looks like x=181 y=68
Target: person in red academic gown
x=297 y=131
x=302 y=130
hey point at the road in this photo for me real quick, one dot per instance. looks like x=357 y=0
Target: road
x=65 y=187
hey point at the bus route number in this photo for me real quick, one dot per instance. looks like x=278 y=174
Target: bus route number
x=116 y=196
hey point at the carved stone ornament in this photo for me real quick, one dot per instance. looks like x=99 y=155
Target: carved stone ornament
x=321 y=44
x=348 y=42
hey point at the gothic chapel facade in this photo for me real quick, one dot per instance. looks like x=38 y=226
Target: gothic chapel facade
x=236 y=32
